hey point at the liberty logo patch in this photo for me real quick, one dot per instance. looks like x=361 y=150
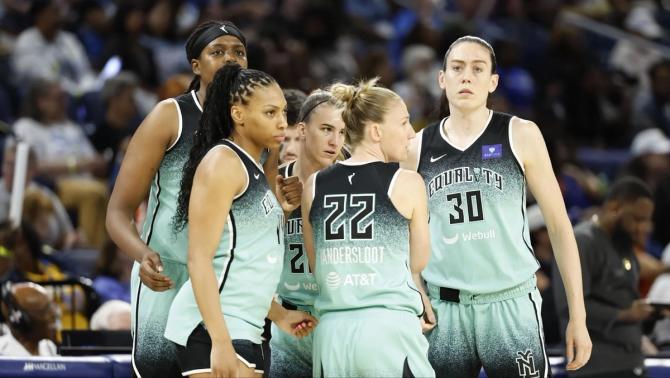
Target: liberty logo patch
x=491 y=151
x=526 y=364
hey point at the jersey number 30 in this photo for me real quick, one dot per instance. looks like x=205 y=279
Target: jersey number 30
x=359 y=226
x=473 y=202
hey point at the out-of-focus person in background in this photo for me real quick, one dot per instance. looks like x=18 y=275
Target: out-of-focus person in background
x=290 y=147
x=610 y=274
x=42 y=207
x=113 y=274
x=31 y=318
x=46 y=51
x=65 y=156
x=113 y=315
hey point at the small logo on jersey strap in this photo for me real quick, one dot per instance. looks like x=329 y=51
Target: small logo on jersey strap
x=491 y=151
x=292 y=287
x=272 y=259
x=351 y=176
x=257 y=175
x=526 y=364
x=433 y=160
x=333 y=280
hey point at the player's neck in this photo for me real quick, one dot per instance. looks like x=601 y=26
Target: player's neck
x=247 y=145
x=365 y=152
x=305 y=167
x=461 y=129
x=465 y=122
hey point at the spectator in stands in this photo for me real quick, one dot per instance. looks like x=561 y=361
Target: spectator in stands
x=66 y=156
x=113 y=274
x=113 y=315
x=651 y=108
x=660 y=293
x=417 y=89
x=290 y=147
x=45 y=51
x=128 y=23
x=650 y=162
x=57 y=230
x=120 y=117
x=32 y=319
x=31 y=264
x=610 y=272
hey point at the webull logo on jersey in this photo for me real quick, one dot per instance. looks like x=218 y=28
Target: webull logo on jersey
x=465 y=175
x=470 y=236
x=335 y=280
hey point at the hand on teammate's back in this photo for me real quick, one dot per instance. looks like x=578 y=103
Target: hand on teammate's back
x=289 y=192
x=150 y=273
x=578 y=345
x=297 y=323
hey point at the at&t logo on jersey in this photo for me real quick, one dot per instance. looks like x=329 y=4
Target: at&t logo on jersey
x=334 y=280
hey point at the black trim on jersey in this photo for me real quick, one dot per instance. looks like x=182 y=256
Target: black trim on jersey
x=525 y=222
x=423 y=307
x=233 y=230
x=158 y=204
x=187 y=115
x=137 y=327
x=546 y=369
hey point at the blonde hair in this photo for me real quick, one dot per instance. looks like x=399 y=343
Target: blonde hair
x=363 y=103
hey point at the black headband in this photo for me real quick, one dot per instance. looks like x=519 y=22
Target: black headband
x=306 y=114
x=214 y=32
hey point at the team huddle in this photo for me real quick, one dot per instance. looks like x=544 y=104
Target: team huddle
x=411 y=257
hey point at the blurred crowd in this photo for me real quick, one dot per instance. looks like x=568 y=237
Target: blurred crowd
x=78 y=76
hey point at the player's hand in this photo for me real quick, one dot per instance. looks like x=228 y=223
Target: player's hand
x=428 y=320
x=150 y=273
x=296 y=323
x=638 y=311
x=289 y=192
x=578 y=345
x=223 y=360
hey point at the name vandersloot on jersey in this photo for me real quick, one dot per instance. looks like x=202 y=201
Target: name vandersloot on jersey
x=464 y=175
x=352 y=255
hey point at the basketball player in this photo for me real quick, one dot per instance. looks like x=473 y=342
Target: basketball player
x=481 y=276
x=366 y=234
x=235 y=230
x=153 y=165
x=321 y=131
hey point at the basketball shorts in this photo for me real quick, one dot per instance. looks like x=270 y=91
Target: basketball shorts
x=501 y=332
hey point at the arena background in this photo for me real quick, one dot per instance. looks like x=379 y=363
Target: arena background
x=592 y=74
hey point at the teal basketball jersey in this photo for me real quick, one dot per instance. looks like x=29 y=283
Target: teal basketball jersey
x=480 y=241
x=157 y=230
x=297 y=284
x=247 y=262
x=361 y=241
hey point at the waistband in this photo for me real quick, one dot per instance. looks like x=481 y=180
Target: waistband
x=290 y=306
x=464 y=297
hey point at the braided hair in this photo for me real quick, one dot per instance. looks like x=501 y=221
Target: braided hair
x=231 y=85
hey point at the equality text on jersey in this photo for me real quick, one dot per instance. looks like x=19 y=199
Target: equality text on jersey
x=461 y=175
